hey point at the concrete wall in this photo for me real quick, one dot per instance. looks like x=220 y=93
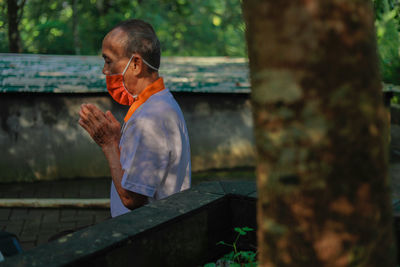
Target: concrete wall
x=40 y=138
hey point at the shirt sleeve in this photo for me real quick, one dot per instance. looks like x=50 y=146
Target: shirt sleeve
x=144 y=156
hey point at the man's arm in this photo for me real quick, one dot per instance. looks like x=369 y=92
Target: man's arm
x=105 y=130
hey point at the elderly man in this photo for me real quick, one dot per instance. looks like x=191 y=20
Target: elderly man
x=149 y=158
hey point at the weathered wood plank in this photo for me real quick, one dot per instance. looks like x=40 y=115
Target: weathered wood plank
x=77 y=74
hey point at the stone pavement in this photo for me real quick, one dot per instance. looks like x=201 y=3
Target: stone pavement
x=34 y=226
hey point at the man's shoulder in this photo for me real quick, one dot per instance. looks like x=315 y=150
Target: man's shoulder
x=161 y=104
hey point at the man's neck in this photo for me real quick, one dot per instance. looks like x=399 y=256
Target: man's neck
x=146 y=81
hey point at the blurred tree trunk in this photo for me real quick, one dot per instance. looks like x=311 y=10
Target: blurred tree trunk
x=103 y=6
x=75 y=30
x=14 y=13
x=320 y=130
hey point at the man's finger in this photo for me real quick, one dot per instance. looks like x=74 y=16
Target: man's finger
x=93 y=109
x=84 y=112
x=87 y=109
x=88 y=118
x=111 y=117
x=84 y=108
x=97 y=113
x=93 y=114
x=85 y=126
x=83 y=115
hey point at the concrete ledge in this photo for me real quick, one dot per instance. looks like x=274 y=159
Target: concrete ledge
x=40 y=138
x=55 y=203
x=181 y=230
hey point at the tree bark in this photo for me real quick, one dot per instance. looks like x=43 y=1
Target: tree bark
x=13 y=23
x=320 y=131
x=75 y=30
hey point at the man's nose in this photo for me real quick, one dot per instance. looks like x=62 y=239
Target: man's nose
x=105 y=71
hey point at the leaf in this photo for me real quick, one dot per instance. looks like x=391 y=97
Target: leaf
x=236 y=255
x=210 y=264
x=251 y=264
x=243 y=254
x=247 y=229
x=229 y=256
x=248 y=256
x=240 y=231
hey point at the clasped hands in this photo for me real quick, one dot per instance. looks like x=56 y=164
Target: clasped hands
x=104 y=129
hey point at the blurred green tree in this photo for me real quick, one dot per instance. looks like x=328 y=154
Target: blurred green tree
x=15 y=10
x=387 y=31
x=184 y=27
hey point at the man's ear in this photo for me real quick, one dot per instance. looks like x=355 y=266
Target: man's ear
x=137 y=65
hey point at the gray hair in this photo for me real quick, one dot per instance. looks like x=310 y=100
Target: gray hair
x=141 y=39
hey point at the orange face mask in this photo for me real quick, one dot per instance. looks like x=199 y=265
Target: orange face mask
x=116 y=87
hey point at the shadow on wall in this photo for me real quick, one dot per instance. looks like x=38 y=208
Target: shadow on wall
x=40 y=137
x=220 y=128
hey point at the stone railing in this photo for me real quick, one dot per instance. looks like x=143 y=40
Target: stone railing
x=181 y=230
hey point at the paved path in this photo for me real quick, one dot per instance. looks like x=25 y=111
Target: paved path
x=34 y=226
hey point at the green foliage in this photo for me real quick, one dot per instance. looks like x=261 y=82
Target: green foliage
x=237 y=257
x=395 y=100
x=3 y=27
x=387 y=31
x=185 y=28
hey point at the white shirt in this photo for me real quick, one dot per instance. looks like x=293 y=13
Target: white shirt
x=155 y=151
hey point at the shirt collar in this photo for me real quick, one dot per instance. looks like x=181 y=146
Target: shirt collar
x=150 y=90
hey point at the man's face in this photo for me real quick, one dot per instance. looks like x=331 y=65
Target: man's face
x=113 y=53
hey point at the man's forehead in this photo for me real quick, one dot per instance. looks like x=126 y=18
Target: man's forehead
x=115 y=41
